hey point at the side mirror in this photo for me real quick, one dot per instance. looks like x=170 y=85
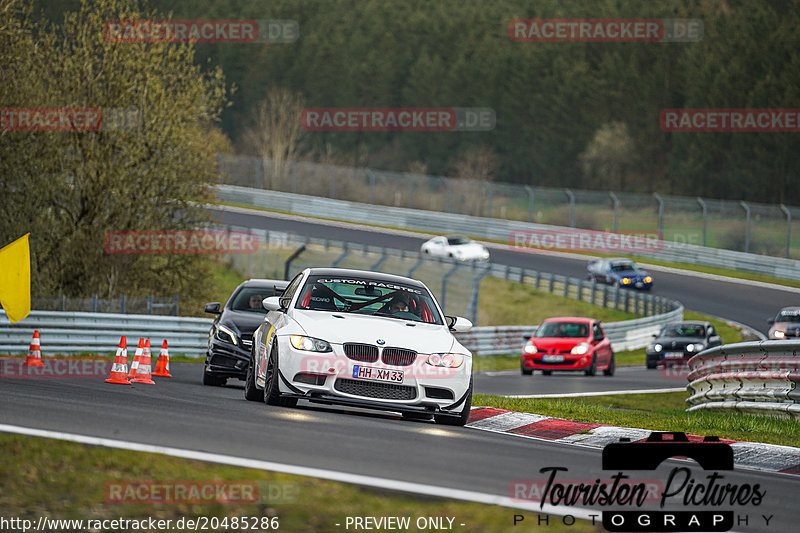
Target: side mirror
x=213 y=308
x=655 y=335
x=770 y=321
x=458 y=324
x=272 y=303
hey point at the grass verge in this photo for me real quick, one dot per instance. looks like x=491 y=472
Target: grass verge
x=656 y=411
x=66 y=480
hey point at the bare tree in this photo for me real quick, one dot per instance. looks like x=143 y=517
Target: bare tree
x=609 y=156
x=277 y=135
x=474 y=170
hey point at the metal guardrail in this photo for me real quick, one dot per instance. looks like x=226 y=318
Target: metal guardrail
x=749 y=377
x=487 y=228
x=70 y=333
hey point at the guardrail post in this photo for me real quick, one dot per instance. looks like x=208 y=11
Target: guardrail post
x=705 y=217
x=747 y=226
x=615 y=204
x=175 y=304
x=445 y=278
x=616 y=299
x=605 y=296
x=371 y=176
x=94 y=303
x=531 y=197
x=571 y=197
x=538 y=279
x=149 y=304
x=627 y=302
x=593 y=295
x=381 y=261
x=580 y=290
x=552 y=281
x=660 y=215
x=566 y=287
x=123 y=303
x=414 y=268
x=342 y=257
x=508 y=272
x=293 y=176
x=287 y=265
x=788 y=214
x=63 y=302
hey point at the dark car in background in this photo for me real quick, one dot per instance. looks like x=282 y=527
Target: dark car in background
x=231 y=335
x=620 y=272
x=679 y=342
x=786 y=324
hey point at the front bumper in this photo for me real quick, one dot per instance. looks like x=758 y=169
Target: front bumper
x=636 y=284
x=224 y=359
x=333 y=378
x=569 y=362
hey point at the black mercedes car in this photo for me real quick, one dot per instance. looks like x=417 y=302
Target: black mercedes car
x=679 y=342
x=231 y=335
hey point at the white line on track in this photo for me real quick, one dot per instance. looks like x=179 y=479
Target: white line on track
x=598 y=393
x=314 y=472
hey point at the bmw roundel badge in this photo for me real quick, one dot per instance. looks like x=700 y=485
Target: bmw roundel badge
x=381 y=342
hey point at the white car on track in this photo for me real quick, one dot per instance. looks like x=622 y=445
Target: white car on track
x=456 y=247
x=362 y=339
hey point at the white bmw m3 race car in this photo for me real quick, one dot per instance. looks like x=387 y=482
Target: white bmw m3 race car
x=361 y=339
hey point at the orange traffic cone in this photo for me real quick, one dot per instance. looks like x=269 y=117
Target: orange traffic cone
x=136 y=358
x=144 y=369
x=34 y=352
x=162 y=365
x=119 y=369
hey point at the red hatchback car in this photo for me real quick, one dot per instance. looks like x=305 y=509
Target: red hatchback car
x=568 y=343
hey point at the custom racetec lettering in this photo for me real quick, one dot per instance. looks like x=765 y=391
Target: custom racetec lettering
x=381 y=284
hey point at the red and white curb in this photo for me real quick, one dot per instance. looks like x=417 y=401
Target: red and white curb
x=753 y=455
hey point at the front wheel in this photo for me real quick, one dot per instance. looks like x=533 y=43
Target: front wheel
x=213 y=381
x=592 y=369
x=463 y=416
x=272 y=393
x=251 y=392
x=611 y=367
x=525 y=371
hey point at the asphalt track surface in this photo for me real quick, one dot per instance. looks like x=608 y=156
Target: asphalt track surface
x=180 y=412
x=747 y=304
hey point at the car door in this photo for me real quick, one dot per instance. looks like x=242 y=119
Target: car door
x=601 y=343
x=264 y=335
x=713 y=339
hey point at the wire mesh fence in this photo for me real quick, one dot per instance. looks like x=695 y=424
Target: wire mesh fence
x=747 y=227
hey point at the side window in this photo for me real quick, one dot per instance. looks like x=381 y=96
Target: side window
x=288 y=294
x=711 y=332
x=597 y=333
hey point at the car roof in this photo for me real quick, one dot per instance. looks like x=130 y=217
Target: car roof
x=343 y=272
x=791 y=308
x=620 y=260
x=580 y=319
x=688 y=323
x=264 y=283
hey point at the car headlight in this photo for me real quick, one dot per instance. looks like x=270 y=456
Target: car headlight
x=309 y=344
x=225 y=333
x=697 y=347
x=580 y=349
x=530 y=348
x=626 y=281
x=778 y=334
x=648 y=279
x=657 y=347
x=447 y=360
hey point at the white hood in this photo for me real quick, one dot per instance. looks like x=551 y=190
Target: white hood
x=420 y=337
x=472 y=249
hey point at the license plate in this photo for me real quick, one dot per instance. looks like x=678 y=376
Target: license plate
x=377 y=374
x=639 y=284
x=673 y=355
x=552 y=358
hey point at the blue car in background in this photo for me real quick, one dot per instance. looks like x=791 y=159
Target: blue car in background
x=621 y=272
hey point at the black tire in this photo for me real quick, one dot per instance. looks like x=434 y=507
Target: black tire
x=213 y=381
x=612 y=365
x=416 y=416
x=525 y=371
x=464 y=415
x=272 y=394
x=651 y=364
x=592 y=370
x=251 y=392
x=547 y=372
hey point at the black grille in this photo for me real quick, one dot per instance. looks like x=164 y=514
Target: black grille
x=365 y=353
x=439 y=394
x=374 y=389
x=398 y=356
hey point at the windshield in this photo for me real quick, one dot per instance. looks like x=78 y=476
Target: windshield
x=622 y=267
x=250 y=298
x=683 y=331
x=563 y=329
x=367 y=296
x=453 y=241
x=788 y=316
